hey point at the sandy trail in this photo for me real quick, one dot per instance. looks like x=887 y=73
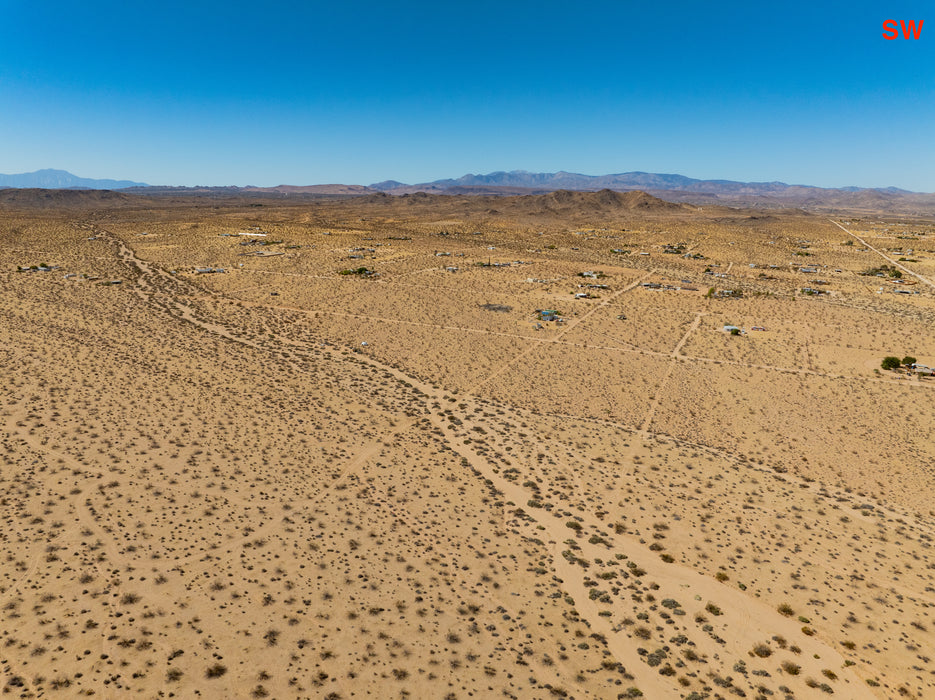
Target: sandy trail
x=665 y=380
x=568 y=327
x=886 y=257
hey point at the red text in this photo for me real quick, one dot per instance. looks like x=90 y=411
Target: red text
x=910 y=29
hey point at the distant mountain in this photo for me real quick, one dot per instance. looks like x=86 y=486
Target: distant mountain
x=62 y=180
x=387 y=185
x=678 y=188
x=668 y=186
x=620 y=181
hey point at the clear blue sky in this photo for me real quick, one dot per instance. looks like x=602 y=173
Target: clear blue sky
x=264 y=93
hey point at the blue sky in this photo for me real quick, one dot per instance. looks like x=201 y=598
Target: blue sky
x=303 y=93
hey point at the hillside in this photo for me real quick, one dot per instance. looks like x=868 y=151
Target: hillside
x=33 y=198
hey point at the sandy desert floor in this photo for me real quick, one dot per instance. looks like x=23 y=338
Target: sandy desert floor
x=294 y=478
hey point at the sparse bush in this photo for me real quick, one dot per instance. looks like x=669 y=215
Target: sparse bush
x=216 y=671
x=791 y=668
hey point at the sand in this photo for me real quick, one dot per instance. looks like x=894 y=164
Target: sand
x=283 y=481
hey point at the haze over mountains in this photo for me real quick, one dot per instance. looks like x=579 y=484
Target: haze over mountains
x=671 y=187
x=620 y=181
x=677 y=188
x=61 y=180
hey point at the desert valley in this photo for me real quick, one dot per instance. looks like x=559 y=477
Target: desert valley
x=563 y=445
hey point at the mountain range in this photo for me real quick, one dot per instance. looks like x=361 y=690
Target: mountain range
x=671 y=187
x=63 y=180
x=636 y=180
x=679 y=188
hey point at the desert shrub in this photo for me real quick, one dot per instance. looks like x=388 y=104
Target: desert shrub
x=890 y=362
x=216 y=671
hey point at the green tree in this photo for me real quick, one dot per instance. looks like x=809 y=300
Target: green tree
x=909 y=360
x=890 y=362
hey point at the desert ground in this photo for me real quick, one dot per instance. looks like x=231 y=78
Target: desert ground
x=332 y=448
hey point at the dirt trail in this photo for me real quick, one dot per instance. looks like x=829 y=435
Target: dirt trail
x=647 y=421
x=886 y=257
x=557 y=338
